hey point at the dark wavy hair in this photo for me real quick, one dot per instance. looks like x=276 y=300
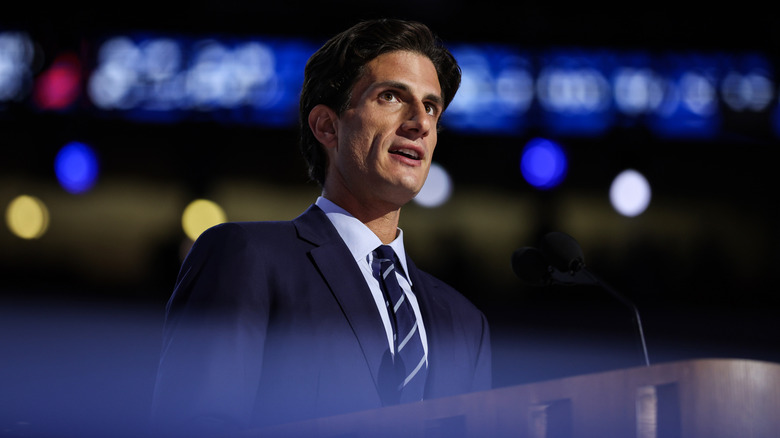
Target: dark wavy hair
x=333 y=70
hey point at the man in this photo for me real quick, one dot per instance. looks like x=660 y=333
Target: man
x=273 y=322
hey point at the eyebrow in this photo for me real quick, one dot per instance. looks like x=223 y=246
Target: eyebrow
x=431 y=97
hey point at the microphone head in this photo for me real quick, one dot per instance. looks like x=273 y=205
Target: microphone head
x=562 y=251
x=531 y=267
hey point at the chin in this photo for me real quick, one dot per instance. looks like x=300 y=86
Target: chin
x=401 y=197
x=412 y=183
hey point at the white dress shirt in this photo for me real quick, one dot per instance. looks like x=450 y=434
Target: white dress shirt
x=361 y=242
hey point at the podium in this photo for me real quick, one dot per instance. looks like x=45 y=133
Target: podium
x=708 y=398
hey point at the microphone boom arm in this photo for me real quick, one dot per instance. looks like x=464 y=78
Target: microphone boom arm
x=584 y=276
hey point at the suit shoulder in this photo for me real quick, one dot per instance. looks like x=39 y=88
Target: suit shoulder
x=229 y=233
x=231 y=240
x=242 y=228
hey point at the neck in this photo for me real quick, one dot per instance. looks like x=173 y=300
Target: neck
x=381 y=220
x=385 y=227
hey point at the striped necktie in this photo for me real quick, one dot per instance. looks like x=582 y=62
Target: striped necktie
x=409 y=359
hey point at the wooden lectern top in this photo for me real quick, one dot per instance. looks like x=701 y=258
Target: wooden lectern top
x=708 y=398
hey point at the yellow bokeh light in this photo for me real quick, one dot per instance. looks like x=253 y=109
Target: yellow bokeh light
x=200 y=215
x=27 y=217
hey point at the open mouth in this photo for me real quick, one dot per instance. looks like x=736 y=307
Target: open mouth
x=408 y=153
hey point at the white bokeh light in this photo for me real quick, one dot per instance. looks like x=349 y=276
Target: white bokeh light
x=437 y=188
x=630 y=193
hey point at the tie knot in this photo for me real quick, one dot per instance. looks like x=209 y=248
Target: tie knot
x=385 y=252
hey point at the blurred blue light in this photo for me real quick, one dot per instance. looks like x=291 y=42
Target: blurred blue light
x=496 y=90
x=690 y=104
x=638 y=88
x=543 y=163
x=574 y=92
x=747 y=84
x=164 y=78
x=16 y=56
x=76 y=167
x=505 y=90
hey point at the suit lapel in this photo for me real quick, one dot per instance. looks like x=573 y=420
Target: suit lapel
x=347 y=284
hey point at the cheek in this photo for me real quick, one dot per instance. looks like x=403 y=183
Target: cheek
x=364 y=138
x=354 y=155
x=433 y=139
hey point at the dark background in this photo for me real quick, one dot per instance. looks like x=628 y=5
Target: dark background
x=80 y=331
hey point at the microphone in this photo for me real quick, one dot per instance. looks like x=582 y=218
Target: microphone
x=531 y=267
x=563 y=252
x=561 y=262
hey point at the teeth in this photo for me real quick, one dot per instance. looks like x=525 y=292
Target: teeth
x=406 y=153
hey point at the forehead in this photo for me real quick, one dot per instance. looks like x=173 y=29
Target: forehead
x=412 y=69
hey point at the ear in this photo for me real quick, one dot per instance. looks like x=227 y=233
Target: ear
x=323 y=122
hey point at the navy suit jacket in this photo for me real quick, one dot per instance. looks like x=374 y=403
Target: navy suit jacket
x=273 y=322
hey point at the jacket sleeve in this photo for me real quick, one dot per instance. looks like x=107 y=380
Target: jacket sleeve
x=215 y=328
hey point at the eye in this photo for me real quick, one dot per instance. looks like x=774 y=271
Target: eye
x=388 y=96
x=431 y=109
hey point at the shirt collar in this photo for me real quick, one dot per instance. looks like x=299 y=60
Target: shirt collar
x=360 y=240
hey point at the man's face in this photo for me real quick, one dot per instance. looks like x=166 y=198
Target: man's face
x=387 y=136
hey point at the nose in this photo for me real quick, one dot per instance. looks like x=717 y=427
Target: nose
x=418 y=121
